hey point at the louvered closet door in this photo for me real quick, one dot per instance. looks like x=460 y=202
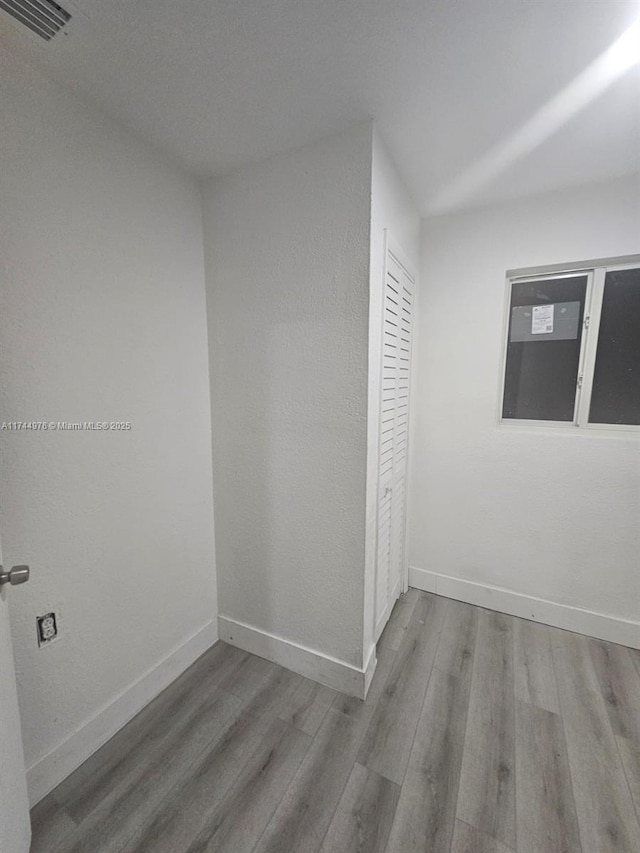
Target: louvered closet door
x=394 y=433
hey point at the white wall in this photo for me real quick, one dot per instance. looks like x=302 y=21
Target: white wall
x=393 y=209
x=102 y=318
x=547 y=514
x=287 y=281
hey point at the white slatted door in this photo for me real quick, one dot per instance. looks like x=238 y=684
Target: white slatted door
x=401 y=431
x=394 y=434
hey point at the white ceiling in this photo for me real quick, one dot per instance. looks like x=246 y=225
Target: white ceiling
x=219 y=83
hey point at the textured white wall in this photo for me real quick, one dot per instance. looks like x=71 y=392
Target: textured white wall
x=392 y=208
x=287 y=281
x=543 y=513
x=102 y=317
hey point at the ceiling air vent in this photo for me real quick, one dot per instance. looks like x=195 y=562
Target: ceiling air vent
x=44 y=17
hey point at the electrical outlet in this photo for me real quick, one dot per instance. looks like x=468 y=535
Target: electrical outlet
x=47 y=628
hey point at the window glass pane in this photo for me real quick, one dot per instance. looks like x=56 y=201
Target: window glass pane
x=615 y=398
x=543 y=348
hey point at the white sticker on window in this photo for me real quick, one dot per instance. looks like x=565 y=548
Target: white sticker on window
x=542 y=320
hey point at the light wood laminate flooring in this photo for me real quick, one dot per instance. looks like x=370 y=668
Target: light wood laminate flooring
x=482 y=733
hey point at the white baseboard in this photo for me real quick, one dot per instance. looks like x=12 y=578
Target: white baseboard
x=382 y=621
x=327 y=670
x=49 y=771
x=589 y=622
x=370 y=669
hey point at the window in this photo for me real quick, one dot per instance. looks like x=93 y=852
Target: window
x=572 y=354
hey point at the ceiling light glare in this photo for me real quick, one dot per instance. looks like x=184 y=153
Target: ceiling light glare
x=625 y=52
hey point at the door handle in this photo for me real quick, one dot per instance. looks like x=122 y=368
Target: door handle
x=17 y=575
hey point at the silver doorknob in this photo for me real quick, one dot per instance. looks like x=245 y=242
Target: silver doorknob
x=18 y=574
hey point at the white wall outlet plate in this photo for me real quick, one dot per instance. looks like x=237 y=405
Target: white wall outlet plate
x=47 y=627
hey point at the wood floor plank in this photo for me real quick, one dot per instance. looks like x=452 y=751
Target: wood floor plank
x=246 y=679
x=51 y=825
x=635 y=657
x=213 y=665
x=630 y=756
x=275 y=692
x=606 y=815
x=83 y=791
x=399 y=621
x=619 y=682
x=294 y=699
x=467 y=839
x=486 y=797
x=130 y=801
x=425 y=816
x=297 y=700
x=364 y=815
x=309 y=706
x=545 y=809
x=389 y=737
x=85 y=787
x=199 y=794
x=303 y=817
x=362 y=711
x=240 y=755
x=619 y=686
x=237 y=824
x=176 y=821
x=534 y=677
x=457 y=639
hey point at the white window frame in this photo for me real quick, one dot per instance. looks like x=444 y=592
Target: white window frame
x=596 y=271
